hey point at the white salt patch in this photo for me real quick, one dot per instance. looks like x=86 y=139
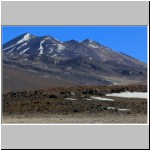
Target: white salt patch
x=88 y=99
x=115 y=83
x=111 y=108
x=101 y=98
x=22 y=52
x=70 y=99
x=123 y=109
x=119 y=109
x=129 y=94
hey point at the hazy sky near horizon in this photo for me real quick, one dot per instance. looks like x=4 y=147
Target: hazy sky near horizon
x=131 y=40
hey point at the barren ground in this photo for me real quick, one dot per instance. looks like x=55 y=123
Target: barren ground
x=77 y=119
x=75 y=105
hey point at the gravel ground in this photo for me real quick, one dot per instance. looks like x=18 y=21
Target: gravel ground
x=75 y=105
x=77 y=119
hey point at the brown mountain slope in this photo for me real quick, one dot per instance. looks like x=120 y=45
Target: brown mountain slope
x=16 y=79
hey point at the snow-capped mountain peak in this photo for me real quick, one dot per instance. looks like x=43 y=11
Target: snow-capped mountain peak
x=87 y=40
x=47 y=37
x=25 y=38
x=28 y=45
x=91 y=43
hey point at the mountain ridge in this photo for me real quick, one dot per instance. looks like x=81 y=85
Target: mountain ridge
x=27 y=38
x=86 y=62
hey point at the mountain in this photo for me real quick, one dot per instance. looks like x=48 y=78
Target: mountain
x=86 y=62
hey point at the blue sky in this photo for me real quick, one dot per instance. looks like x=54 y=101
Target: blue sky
x=131 y=40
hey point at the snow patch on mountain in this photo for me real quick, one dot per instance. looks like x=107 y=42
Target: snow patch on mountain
x=47 y=45
x=60 y=47
x=25 y=38
x=93 y=46
x=24 y=44
x=47 y=38
x=41 y=47
x=10 y=50
x=56 y=40
x=51 y=50
x=54 y=55
x=8 y=47
x=22 y=52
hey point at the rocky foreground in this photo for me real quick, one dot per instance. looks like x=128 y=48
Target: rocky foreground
x=75 y=105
